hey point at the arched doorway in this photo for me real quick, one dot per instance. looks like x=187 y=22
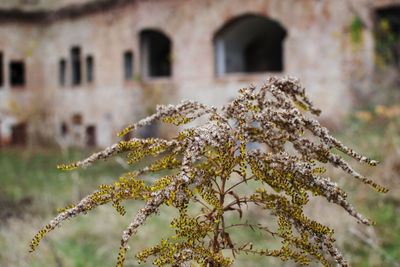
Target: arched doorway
x=249 y=43
x=155 y=54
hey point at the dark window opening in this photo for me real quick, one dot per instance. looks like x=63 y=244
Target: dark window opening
x=155 y=54
x=89 y=69
x=18 y=134
x=77 y=119
x=76 y=65
x=249 y=43
x=91 y=136
x=387 y=36
x=128 y=65
x=17 y=73
x=64 y=129
x=1 y=70
x=62 y=68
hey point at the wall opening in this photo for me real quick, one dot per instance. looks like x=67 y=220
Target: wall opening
x=1 y=70
x=247 y=44
x=155 y=54
x=128 y=65
x=77 y=119
x=91 y=136
x=62 y=69
x=76 y=65
x=89 y=69
x=18 y=134
x=17 y=73
x=64 y=129
x=387 y=36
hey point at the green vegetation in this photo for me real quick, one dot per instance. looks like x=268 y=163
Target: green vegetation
x=212 y=173
x=31 y=189
x=356 y=31
x=376 y=129
x=26 y=172
x=78 y=244
x=386 y=44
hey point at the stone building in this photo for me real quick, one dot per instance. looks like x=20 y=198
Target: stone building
x=80 y=70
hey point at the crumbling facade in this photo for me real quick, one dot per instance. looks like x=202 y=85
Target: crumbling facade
x=80 y=71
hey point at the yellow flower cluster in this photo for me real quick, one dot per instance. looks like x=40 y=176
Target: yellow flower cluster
x=200 y=173
x=380 y=111
x=177 y=121
x=36 y=239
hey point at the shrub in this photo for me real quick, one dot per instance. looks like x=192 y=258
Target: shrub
x=265 y=136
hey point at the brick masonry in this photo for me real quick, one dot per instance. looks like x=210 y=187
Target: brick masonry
x=317 y=49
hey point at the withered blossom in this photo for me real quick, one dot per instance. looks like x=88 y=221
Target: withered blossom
x=210 y=162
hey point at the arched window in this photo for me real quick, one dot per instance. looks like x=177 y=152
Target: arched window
x=155 y=54
x=387 y=36
x=250 y=43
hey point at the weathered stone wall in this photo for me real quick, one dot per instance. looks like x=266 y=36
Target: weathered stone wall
x=20 y=42
x=317 y=49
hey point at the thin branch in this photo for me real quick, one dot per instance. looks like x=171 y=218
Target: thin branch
x=242 y=181
x=201 y=202
x=258 y=226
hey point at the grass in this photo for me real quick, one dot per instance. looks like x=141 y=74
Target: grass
x=31 y=189
x=378 y=137
x=33 y=170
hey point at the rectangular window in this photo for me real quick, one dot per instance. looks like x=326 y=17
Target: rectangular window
x=155 y=54
x=128 y=65
x=387 y=36
x=76 y=65
x=64 y=129
x=77 y=119
x=17 y=73
x=1 y=69
x=18 y=134
x=62 y=68
x=91 y=136
x=89 y=69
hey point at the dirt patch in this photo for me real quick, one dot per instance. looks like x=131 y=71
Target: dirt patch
x=13 y=208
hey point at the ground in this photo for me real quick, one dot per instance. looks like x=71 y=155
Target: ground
x=31 y=189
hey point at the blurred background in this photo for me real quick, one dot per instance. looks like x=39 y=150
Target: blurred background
x=75 y=72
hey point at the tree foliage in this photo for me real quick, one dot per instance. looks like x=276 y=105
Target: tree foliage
x=266 y=136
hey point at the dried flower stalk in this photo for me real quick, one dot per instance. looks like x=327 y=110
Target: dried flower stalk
x=209 y=162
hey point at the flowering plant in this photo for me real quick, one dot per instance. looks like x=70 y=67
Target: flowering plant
x=265 y=136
